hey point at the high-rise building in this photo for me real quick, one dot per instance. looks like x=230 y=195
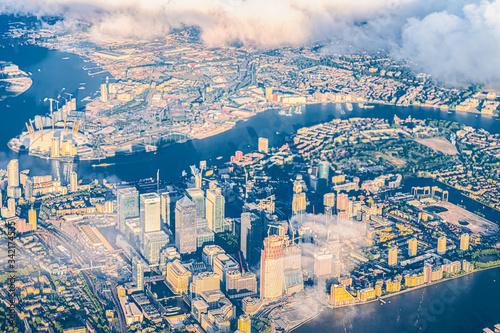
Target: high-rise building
x=412 y=247
x=263 y=145
x=215 y=210
x=299 y=203
x=28 y=188
x=138 y=272
x=153 y=243
x=271 y=268
x=245 y=323
x=223 y=263
x=104 y=93
x=73 y=182
x=197 y=196
x=149 y=213
x=32 y=218
x=55 y=148
x=323 y=263
x=127 y=205
x=441 y=246
x=13 y=173
x=464 y=241
x=427 y=272
x=251 y=236
x=393 y=256
x=324 y=170
x=342 y=202
x=329 y=203
x=185 y=226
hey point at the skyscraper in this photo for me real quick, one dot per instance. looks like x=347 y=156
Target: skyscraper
x=464 y=241
x=55 y=150
x=127 y=205
x=324 y=170
x=153 y=243
x=263 y=145
x=197 y=196
x=73 y=183
x=393 y=256
x=251 y=236
x=342 y=202
x=215 y=210
x=104 y=93
x=28 y=188
x=441 y=246
x=271 y=268
x=323 y=263
x=299 y=203
x=13 y=173
x=32 y=218
x=412 y=247
x=185 y=226
x=149 y=213
x=138 y=272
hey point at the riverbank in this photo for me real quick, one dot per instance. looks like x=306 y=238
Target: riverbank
x=392 y=295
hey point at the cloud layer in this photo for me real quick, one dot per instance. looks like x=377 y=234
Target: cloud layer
x=451 y=39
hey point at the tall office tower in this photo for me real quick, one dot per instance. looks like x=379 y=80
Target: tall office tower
x=1 y=199
x=138 y=272
x=153 y=243
x=323 y=263
x=13 y=173
x=271 y=268
x=185 y=226
x=251 y=236
x=441 y=248
x=28 y=188
x=32 y=218
x=329 y=203
x=412 y=247
x=464 y=241
x=73 y=182
x=127 y=205
x=269 y=93
x=55 y=148
x=299 y=203
x=197 y=196
x=292 y=257
x=215 y=210
x=342 y=202
x=263 y=145
x=245 y=324
x=149 y=213
x=104 y=93
x=393 y=256
x=324 y=170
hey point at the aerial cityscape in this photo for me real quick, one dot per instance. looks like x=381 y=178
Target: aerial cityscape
x=217 y=167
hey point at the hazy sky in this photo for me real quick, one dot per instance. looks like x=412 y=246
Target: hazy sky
x=451 y=39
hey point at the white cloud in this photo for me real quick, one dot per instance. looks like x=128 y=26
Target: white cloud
x=452 y=39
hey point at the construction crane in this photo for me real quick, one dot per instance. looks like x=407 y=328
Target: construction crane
x=267 y=204
x=281 y=230
x=70 y=95
x=52 y=100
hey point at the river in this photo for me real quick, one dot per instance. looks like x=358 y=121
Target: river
x=467 y=304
